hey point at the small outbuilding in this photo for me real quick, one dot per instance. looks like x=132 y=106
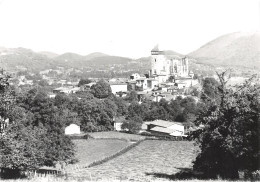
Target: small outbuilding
x=72 y=129
x=118 y=121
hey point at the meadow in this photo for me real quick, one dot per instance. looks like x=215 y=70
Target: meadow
x=150 y=160
x=88 y=151
x=116 y=135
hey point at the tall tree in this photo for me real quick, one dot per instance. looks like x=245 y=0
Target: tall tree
x=101 y=89
x=229 y=140
x=94 y=115
x=7 y=99
x=209 y=89
x=132 y=96
x=84 y=81
x=35 y=135
x=133 y=125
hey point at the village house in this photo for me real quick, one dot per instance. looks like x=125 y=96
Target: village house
x=72 y=129
x=66 y=90
x=118 y=121
x=117 y=87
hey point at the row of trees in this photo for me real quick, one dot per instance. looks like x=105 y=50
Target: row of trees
x=32 y=129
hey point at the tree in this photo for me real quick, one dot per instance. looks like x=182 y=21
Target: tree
x=62 y=100
x=22 y=148
x=43 y=83
x=84 y=81
x=7 y=99
x=229 y=140
x=209 y=89
x=175 y=109
x=195 y=92
x=121 y=106
x=59 y=146
x=132 y=96
x=101 y=89
x=133 y=125
x=129 y=87
x=110 y=107
x=136 y=109
x=85 y=95
x=95 y=116
x=35 y=134
x=157 y=112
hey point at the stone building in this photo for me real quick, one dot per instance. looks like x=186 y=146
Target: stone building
x=163 y=65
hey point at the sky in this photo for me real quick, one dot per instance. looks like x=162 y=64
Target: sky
x=129 y=28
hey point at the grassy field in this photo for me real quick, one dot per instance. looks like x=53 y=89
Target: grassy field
x=91 y=150
x=151 y=160
x=117 y=135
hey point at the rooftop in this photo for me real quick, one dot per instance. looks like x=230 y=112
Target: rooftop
x=162 y=130
x=163 y=123
x=141 y=78
x=117 y=83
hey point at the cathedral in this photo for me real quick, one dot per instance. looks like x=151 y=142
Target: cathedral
x=163 y=66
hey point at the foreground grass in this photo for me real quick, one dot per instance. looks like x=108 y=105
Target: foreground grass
x=88 y=151
x=116 y=135
x=150 y=160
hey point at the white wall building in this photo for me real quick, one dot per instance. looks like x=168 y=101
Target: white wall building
x=72 y=129
x=118 y=87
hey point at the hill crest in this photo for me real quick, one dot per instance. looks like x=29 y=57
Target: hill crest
x=234 y=49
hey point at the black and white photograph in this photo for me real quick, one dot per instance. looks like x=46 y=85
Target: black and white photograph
x=129 y=90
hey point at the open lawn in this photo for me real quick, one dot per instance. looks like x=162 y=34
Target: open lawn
x=91 y=150
x=150 y=160
x=118 y=135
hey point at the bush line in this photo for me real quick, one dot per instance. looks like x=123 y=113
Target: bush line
x=124 y=150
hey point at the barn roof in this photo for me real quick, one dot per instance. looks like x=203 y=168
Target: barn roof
x=163 y=123
x=162 y=130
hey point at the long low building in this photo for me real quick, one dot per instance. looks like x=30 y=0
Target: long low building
x=117 y=87
x=169 y=128
x=66 y=90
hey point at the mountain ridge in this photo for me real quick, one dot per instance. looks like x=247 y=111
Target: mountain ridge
x=233 y=49
x=237 y=49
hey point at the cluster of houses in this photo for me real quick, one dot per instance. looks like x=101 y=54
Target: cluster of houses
x=168 y=78
x=22 y=80
x=156 y=128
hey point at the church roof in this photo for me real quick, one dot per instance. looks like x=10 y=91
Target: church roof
x=172 y=56
x=156 y=48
